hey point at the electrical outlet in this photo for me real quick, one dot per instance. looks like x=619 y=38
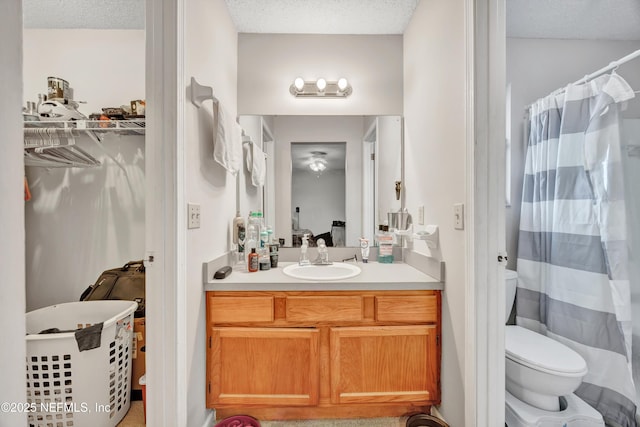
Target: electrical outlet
x=420 y=215
x=193 y=212
x=458 y=216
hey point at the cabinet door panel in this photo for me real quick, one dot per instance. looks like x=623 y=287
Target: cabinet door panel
x=384 y=364
x=240 y=309
x=264 y=366
x=324 y=308
x=403 y=308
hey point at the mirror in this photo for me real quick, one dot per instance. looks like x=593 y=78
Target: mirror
x=318 y=192
x=371 y=147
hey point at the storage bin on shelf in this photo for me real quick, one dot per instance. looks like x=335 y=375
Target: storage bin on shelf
x=68 y=387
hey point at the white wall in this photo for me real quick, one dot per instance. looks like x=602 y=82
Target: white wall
x=435 y=170
x=210 y=43
x=268 y=64
x=12 y=303
x=536 y=67
x=321 y=199
x=349 y=129
x=80 y=222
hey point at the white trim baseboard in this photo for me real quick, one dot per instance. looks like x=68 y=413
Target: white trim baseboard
x=210 y=420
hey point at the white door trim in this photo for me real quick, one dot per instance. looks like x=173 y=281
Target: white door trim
x=484 y=356
x=12 y=217
x=165 y=195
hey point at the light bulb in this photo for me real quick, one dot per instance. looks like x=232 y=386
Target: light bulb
x=342 y=84
x=299 y=84
x=321 y=84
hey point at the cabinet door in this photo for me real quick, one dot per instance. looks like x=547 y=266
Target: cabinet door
x=384 y=364
x=263 y=366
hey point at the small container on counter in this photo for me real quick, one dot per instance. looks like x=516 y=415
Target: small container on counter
x=273 y=254
x=253 y=262
x=265 y=263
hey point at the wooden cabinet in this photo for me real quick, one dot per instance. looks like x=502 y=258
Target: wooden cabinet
x=298 y=355
x=269 y=366
x=381 y=364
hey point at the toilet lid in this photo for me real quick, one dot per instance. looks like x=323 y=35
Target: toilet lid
x=542 y=353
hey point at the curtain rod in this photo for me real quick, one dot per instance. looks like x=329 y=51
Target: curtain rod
x=612 y=66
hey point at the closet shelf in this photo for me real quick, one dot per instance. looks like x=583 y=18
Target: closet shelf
x=52 y=144
x=98 y=127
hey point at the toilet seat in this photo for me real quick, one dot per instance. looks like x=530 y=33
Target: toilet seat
x=541 y=353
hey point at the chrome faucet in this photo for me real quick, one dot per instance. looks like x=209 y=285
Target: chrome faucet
x=323 y=254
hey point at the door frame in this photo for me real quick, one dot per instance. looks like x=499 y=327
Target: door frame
x=484 y=323
x=485 y=326
x=165 y=241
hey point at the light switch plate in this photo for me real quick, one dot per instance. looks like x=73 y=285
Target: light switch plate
x=193 y=211
x=458 y=216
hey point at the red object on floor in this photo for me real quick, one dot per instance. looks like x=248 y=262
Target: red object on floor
x=239 y=421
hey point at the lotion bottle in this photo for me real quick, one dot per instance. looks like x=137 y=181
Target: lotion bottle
x=364 y=249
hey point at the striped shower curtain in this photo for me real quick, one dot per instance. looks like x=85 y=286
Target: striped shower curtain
x=572 y=253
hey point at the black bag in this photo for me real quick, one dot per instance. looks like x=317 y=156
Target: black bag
x=125 y=283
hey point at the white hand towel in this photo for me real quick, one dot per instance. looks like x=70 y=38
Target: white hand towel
x=258 y=171
x=227 y=140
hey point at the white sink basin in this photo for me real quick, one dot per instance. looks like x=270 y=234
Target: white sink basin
x=335 y=271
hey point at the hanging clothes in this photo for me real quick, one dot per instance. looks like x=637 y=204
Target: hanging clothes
x=572 y=253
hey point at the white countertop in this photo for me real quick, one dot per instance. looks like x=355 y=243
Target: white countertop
x=374 y=276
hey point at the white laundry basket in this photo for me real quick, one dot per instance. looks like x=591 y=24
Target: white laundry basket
x=67 y=387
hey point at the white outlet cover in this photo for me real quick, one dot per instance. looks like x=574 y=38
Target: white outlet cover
x=420 y=215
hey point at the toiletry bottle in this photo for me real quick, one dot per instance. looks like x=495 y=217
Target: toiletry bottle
x=237 y=222
x=264 y=239
x=252 y=238
x=364 y=249
x=296 y=219
x=273 y=254
x=241 y=261
x=253 y=261
x=385 y=243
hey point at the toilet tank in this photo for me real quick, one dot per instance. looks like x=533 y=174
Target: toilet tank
x=511 y=280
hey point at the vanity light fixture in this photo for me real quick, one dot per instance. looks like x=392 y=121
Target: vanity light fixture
x=320 y=88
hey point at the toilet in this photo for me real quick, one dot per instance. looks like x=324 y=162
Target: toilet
x=541 y=376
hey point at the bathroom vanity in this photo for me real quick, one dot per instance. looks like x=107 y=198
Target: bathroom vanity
x=281 y=348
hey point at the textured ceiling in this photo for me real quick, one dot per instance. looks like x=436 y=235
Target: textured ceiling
x=574 y=19
x=564 y=19
x=96 y=14
x=321 y=16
